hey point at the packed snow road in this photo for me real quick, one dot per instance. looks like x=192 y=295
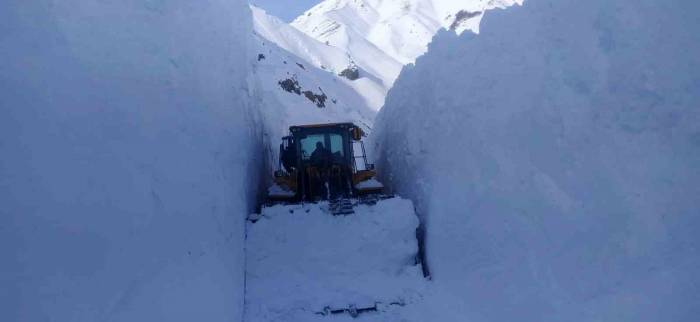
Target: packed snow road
x=304 y=263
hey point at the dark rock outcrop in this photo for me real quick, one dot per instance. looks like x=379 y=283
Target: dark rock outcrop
x=352 y=73
x=290 y=85
x=463 y=16
x=319 y=100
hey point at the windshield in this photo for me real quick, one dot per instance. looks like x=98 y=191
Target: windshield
x=308 y=144
x=336 y=144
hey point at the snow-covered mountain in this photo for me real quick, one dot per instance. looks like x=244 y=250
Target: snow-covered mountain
x=326 y=59
x=366 y=43
x=374 y=31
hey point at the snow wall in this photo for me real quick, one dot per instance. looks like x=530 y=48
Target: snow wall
x=555 y=160
x=127 y=155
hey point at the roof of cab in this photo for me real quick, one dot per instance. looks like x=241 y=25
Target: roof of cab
x=316 y=126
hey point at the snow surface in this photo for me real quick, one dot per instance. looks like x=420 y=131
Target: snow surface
x=555 y=160
x=128 y=160
x=301 y=259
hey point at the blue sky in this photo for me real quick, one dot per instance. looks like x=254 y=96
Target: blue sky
x=287 y=10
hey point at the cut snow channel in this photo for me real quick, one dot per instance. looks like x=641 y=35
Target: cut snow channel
x=301 y=259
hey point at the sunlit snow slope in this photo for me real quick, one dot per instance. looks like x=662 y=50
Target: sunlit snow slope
x=324 y=61
x=385 y=34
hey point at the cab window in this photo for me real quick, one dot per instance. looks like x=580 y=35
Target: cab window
x=337 y=144
x=308 y=144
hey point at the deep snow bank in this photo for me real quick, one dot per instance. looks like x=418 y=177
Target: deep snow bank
x=556 y=160
x=125 y=160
